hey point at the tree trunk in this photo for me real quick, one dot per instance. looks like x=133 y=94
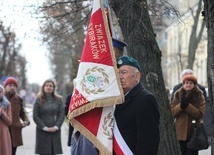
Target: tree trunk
x=138 y=33
x=194 y=38
x=209 y=18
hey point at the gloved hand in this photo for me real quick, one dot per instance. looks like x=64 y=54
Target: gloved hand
x=184 y=103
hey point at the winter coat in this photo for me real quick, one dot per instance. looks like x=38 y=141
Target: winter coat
x=138 y=121
x=178 y=86
x=18 y=112
x=5 y=140
x=50 y=114
x=194 y=111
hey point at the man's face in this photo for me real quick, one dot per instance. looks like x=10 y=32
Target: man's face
x=129 y=77
x=11 y=89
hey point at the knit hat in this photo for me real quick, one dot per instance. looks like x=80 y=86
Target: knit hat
x=126 y=60
x=10 y=80
x=190 y=78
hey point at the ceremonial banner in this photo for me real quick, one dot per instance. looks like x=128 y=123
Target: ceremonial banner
x=97 y=88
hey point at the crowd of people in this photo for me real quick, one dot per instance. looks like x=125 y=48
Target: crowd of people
x=137 y=119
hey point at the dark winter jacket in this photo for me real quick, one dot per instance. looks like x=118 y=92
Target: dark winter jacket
x=138 y=121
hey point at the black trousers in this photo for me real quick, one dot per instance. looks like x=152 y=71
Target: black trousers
x=185 y=150
x=14 y=150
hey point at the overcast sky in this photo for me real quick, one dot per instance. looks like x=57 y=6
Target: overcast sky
x=16 y=14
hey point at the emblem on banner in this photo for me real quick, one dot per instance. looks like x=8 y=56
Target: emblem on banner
x=94 y=81
x=108 y=125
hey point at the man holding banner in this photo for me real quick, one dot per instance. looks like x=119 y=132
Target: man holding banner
x=136 y=128
x=80 y=144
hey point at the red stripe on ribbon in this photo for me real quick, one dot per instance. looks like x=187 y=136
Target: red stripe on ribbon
x=116 y=147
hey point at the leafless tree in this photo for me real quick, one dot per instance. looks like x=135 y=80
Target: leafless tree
x=63 y=30
x=11 y=62
x=195 y=37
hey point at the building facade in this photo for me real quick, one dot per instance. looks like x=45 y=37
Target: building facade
x=174 y=40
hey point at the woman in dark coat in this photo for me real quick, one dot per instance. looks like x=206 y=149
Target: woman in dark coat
x=188 y=105
x=48 y=114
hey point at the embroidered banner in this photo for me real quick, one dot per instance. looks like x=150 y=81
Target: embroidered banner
x=97 y=84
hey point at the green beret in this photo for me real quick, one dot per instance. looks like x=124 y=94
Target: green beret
x=126 y=60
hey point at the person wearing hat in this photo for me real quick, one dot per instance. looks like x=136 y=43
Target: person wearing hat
x=188 y=105
x=183 y=73
x=18 y=112
x=138 y=117
x=5 y=122
x=208 y=110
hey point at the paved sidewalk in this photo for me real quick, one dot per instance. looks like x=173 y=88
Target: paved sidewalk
x=205 y=152
x=28 y=134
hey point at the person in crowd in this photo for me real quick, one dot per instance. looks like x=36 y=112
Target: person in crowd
x=138 y=117
x=188 y=105
x=207 y=115
x=178 y=86
x=17 y=111
x=71 y=128
x=48 y=114
x=5 y=122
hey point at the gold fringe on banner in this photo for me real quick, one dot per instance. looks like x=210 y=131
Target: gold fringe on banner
x=102 y=149
x=96 y=104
